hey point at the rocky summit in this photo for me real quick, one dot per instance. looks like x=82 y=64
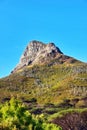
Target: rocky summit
x=38 y=52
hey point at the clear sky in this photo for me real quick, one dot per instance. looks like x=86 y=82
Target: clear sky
x=63 y=22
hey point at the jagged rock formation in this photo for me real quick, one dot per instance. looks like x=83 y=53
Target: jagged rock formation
x=39 y=53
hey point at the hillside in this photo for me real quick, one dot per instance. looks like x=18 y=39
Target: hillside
x=52 y=87
x=46 y=75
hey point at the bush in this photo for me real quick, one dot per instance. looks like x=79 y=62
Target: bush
x=72 y=121
x=14 y=116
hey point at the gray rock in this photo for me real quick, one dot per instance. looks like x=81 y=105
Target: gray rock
x=37 y=53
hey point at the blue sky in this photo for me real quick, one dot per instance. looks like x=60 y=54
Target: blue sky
x=63 y=22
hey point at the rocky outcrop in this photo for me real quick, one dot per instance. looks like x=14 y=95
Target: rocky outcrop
x=39 y=53
x=31 y=52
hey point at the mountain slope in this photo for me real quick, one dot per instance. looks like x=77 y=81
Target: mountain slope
x=48 y=76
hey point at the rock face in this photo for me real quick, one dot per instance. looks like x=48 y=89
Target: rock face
x=31 y=52
x=39 y=53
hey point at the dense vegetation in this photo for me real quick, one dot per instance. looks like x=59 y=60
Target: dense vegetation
x=15 y=116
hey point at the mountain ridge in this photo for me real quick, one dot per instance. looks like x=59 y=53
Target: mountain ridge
x=53 y=78
x=38 y=52
x=49 y=83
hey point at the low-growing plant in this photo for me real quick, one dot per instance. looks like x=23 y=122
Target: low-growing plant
x=15 y=116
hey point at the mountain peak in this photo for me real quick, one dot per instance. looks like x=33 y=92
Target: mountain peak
x=38 y=52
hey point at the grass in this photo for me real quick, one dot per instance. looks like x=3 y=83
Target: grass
x=47 y=83
x=64 y=112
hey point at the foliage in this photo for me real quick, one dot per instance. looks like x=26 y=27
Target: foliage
x=15 y=116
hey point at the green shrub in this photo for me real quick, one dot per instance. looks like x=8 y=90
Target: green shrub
x=14 y=116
